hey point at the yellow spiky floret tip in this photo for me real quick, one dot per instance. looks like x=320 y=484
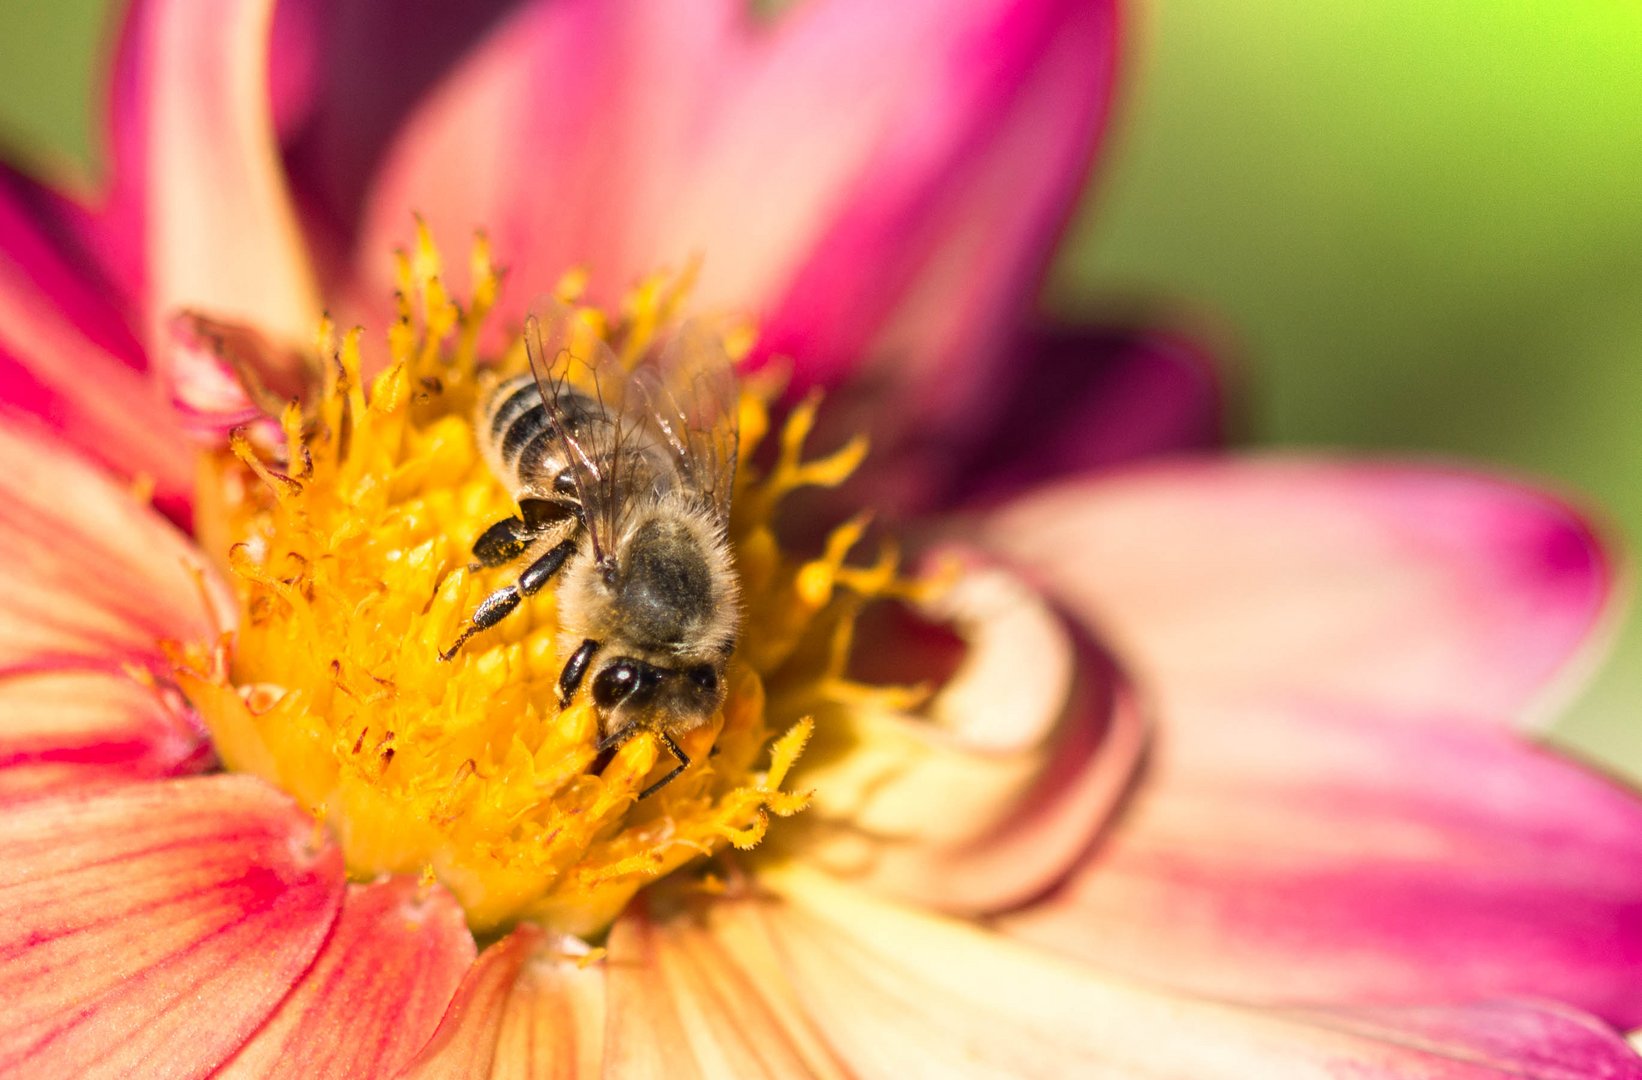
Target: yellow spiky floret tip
x=349 y=550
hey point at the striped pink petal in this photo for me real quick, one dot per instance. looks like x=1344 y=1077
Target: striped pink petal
x=464 y=1045
x=152 y=928
x=375 y=993
x=66 y=731
x=823 y=980
x=1436 y=591
x=88 y=576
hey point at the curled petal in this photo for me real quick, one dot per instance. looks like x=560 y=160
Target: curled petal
x=1433 y=591
x=1283 y=852
x=155 y=926
x=88 y=577
x=375 y=993
x=222 y=236
x=68 y=730
x=226 y=375
x=988 y=797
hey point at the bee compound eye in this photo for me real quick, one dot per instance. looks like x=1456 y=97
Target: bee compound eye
x=614 y=683
x=704 y=676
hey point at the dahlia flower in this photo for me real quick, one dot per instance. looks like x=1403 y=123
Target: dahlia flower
x=1202 y=766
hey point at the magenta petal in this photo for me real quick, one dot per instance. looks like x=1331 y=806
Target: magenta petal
x=1431 y=591
x=69 y=358
x=1299 y=852
x=1069 y=402
x=909 y=211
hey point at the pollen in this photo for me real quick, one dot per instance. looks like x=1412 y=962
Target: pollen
x=348 y=537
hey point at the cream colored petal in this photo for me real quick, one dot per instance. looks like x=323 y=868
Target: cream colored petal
x=987 y=797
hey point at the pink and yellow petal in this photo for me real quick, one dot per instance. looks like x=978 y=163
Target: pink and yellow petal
x=1432 y=591
x=991 y=791
x=375 y=993
x=1298 y=852
x=221 y=232
x=900 y=993
x=820 y=979
x=72 y=730
x=89 y=577
x=155 y=925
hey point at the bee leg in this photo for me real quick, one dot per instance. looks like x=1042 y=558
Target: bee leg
x=492 y=610
x=570 y=679
x=502 y=542
x=540 y=572
x=683 y=763
x=509 y=538
x=504 y=601
x=606 y=750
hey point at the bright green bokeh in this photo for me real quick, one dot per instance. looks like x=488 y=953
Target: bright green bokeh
x=1420 y=221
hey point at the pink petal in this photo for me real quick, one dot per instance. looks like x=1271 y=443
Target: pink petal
x=988 y=796
x=375 y=993
x=222 y=236
x=898 y=993
x=69 y=730
x=464 y=1045
x=911 y=210
x=67 y=356
x=1294 y=852
x=88 y=577
x=154 y=926
x=1431 y=591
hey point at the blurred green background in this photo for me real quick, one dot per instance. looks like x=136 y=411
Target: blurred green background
x=1418 y=223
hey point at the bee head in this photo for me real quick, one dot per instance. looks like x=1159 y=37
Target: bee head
x=628 y=691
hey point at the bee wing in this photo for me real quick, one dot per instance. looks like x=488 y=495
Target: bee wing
x=583 y=385
x=689 y=399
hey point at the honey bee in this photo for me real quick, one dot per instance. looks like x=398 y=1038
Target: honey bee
x=623 y=482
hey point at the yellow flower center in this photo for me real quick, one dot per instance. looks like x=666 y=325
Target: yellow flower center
x=349 y=536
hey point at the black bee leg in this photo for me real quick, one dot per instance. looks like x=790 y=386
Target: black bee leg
x=504 y=601
x=683 y=763
x=541 y=571
x=606 y=750
x=570 y=679
x=509 y=538
x=492 y=610
x=502 y=542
